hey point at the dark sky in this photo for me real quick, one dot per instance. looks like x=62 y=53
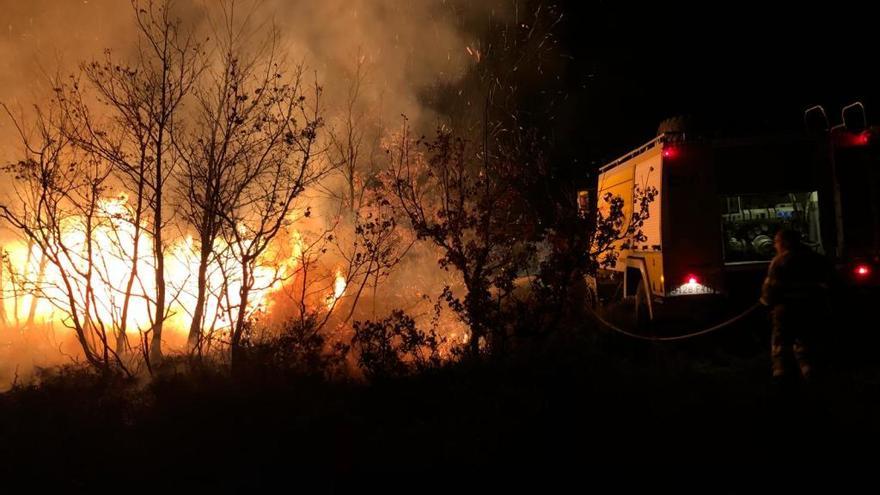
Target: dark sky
x=739 y=67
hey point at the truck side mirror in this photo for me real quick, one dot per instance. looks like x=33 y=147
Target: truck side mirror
x=816 y=120
x=853 y=117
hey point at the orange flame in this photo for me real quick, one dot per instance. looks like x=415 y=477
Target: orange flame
x=339 y=285
x=24 y=285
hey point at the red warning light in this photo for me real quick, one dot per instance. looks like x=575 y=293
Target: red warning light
x=670 y=152
x=849 y=139
x=692 y=280
x=862 y=271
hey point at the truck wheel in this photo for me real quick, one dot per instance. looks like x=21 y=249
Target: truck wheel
x=641 y=313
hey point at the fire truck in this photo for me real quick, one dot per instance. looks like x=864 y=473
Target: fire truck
x=708 y=237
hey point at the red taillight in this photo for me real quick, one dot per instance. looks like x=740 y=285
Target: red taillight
x=862 y=271
x=670 y=152
x=850 y=139
x=692 y=280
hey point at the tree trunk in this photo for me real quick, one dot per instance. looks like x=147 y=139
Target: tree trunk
x=240 y=320
x=476 y=305
x=122 y=338
x=159 y=255
x=195 y=328
x=41 y=274
x=3 y=320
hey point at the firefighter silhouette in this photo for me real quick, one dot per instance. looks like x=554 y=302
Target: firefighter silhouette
x=796 y=290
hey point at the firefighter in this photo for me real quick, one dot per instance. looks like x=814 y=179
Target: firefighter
x=796 y=291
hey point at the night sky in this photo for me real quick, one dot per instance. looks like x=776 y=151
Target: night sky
x=737 y=67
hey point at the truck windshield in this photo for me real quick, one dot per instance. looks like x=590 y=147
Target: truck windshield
x=750 y=221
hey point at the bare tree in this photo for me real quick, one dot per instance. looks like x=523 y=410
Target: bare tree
x=143 y=98
x=347 y=141
x=55 y=206
x=268 y=176
x=247 y=114
x=375 y=249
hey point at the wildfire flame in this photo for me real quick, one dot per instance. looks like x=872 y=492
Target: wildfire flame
x=339 y=285
x=30 y=284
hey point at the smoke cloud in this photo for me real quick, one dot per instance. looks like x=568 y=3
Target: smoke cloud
x=403 y=46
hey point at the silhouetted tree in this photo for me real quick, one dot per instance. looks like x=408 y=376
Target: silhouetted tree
x=55 y=204
x=143 y=98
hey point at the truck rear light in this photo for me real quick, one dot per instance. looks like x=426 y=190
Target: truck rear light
x=862 y=271
x=690 y=286
x=850 y=139
x=670 y=152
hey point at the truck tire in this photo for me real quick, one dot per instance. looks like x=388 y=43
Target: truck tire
x=641 y=312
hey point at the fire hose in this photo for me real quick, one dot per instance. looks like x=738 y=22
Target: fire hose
x=697 y=333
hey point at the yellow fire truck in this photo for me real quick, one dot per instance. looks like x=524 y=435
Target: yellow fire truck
x=709 y=233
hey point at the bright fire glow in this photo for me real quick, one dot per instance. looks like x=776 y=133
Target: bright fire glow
x=30 y=284
x=339 y=286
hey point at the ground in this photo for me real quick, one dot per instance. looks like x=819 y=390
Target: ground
x=576 y=404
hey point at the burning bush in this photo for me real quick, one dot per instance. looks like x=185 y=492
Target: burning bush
x=395 y=347
x=300 y=348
